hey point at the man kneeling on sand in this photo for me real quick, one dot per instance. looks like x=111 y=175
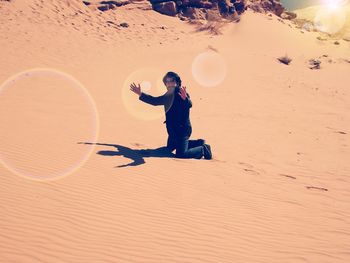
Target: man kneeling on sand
x=177 y=104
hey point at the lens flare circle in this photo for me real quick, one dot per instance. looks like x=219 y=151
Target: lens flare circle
x=209 y=68
x=44 y=113
x=146 y=85
x=151 y=81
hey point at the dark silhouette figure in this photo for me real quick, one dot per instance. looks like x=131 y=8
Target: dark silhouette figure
x=136 y=155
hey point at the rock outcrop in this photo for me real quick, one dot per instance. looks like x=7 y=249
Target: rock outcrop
x=194 y=9
x=288 y=15
x=199 y=9
x=165 y=7
x=264 y=6
x=107 y=5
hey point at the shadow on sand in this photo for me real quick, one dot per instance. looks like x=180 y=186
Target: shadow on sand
x=136 y=155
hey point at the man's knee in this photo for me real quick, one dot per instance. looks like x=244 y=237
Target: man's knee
x=180 y=154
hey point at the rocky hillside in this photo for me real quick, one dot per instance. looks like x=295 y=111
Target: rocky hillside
x=198 y=9
x=186 y=9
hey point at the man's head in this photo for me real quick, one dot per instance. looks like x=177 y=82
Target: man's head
x=172 y=80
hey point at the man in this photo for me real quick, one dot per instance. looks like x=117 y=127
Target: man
x=177 y=104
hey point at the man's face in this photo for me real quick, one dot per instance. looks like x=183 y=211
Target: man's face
x=170 y=83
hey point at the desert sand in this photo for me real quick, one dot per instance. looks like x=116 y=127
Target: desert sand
x=82 y=179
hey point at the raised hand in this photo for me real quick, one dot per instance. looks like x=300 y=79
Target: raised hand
x=183 y=93
x=135 y=88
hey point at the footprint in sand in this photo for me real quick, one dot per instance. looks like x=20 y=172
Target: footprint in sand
x=288 y=176
x=249 y=168
x=251 y=171
x=316 y=188
x=341 y=132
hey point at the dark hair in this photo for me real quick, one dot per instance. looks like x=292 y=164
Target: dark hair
x=173 y=75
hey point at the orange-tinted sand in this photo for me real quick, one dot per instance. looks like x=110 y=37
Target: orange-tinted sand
x=277 y=189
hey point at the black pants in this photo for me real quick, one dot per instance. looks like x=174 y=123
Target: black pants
x=186 y=148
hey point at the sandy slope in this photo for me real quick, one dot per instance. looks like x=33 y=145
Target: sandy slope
x=277 y=190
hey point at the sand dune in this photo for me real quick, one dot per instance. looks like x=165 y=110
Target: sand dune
x=83 y=175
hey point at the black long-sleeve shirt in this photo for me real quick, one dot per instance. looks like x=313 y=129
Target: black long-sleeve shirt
x=177 y=111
